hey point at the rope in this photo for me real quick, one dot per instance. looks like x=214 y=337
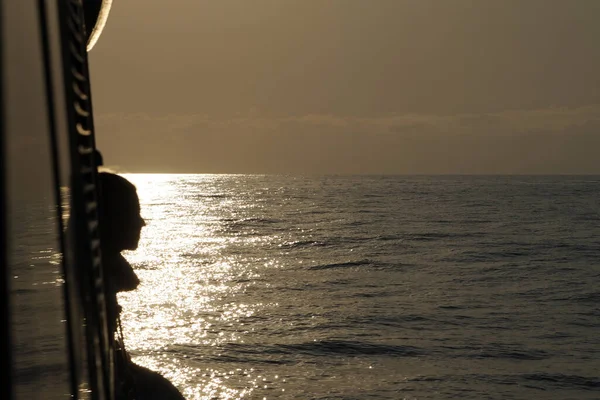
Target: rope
x=128 y=380
x=121 y=338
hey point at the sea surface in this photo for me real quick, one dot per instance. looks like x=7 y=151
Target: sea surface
x=368 y=287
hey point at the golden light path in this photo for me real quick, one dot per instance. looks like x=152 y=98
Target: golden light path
x=190 y=298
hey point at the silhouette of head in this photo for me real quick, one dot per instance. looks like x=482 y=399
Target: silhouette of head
x=119 y=213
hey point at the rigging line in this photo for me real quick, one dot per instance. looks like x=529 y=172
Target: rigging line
x=6 y=380
x=126 y=362
x=121 y=336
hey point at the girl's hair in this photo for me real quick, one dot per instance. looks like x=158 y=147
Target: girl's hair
x=114 y=192
x=118 y=204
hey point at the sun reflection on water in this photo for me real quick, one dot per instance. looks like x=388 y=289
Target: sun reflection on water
x=190 y=298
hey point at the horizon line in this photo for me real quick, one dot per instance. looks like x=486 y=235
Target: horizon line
x=358 y=174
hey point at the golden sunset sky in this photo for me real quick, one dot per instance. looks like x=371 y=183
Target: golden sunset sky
x=349 y=86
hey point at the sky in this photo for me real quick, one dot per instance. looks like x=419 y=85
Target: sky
x=349 y=86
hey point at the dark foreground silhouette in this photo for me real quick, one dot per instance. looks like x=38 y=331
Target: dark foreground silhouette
x=120 y=228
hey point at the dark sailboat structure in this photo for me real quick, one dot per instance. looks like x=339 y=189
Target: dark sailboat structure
x=55 y=342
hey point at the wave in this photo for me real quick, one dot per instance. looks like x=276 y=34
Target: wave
x=495 y=352
x=252 y=221
x=433 y=236
x=342 y=347
x=554 y=381
x=565 y=381
x=348 y=264
x=243 y=352
x=304 y=243
x=212 y=196
x=333 y=347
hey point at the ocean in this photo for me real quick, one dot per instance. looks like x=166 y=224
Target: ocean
x=368 y=287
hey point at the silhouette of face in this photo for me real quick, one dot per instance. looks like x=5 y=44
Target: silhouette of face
x=132 y=224
x=120 y=220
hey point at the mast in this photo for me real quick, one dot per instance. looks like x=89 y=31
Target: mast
x=53 y=118
x=86 y=244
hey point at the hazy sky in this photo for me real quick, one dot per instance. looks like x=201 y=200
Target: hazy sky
x=350 y=86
